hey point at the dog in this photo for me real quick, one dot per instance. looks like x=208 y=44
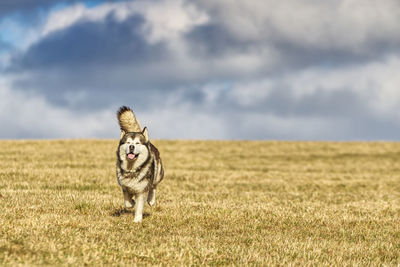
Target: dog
x=139 y=166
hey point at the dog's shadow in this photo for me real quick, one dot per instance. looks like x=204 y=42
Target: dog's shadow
x=124 y=211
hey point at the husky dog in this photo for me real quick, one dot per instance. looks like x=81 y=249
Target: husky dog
x=139 y=167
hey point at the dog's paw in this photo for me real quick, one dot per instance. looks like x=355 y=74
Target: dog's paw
x=152 y=202
x=137 y=220
x=128 y=204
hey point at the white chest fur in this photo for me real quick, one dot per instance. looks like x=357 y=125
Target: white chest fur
x=135 y=181
x=134 y=185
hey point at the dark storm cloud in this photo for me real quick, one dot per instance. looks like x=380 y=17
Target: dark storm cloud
x=214 y=40
x=89 y=44
x=97 y=60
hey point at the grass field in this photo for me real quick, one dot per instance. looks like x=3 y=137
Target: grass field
x=221 y=203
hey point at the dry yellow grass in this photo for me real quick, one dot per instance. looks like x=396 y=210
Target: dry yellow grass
x=221 y=203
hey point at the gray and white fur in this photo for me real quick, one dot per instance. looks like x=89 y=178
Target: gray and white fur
x=139 y=166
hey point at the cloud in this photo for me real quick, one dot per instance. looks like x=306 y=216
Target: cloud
x=10 y=7
x=27 y=115
x=4 y=45
x=213 y=69
x=125 y=44
x=346 y=24
x=31 y=8
x=354 y=102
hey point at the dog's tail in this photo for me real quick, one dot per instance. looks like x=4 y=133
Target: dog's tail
x=127 y=120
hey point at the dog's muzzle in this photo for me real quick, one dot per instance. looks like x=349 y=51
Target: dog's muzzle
x=131 y=155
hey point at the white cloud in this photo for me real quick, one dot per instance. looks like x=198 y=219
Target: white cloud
x=252 y=93
x=164 y=20
x=168 y=20
x=376 y=84
x=70 y=15
x=184 y=121
x=25 y=115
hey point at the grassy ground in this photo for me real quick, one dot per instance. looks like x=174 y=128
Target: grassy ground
x=221 y=203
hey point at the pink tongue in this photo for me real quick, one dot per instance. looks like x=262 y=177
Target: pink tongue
x=131 y=156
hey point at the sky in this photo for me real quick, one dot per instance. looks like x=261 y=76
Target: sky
x=244 y=69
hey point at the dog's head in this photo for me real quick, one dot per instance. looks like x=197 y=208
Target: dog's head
x=133 y=145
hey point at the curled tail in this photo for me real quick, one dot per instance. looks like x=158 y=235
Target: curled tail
x=127 y=121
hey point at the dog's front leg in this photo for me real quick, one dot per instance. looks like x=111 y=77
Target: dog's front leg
x=127 y=199
x=140 y=200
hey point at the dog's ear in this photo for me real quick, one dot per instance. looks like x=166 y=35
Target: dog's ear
x=145 y=134
x=122 y=134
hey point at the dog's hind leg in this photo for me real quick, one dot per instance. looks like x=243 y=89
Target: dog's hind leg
x=151 y=198
x=129 y=203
